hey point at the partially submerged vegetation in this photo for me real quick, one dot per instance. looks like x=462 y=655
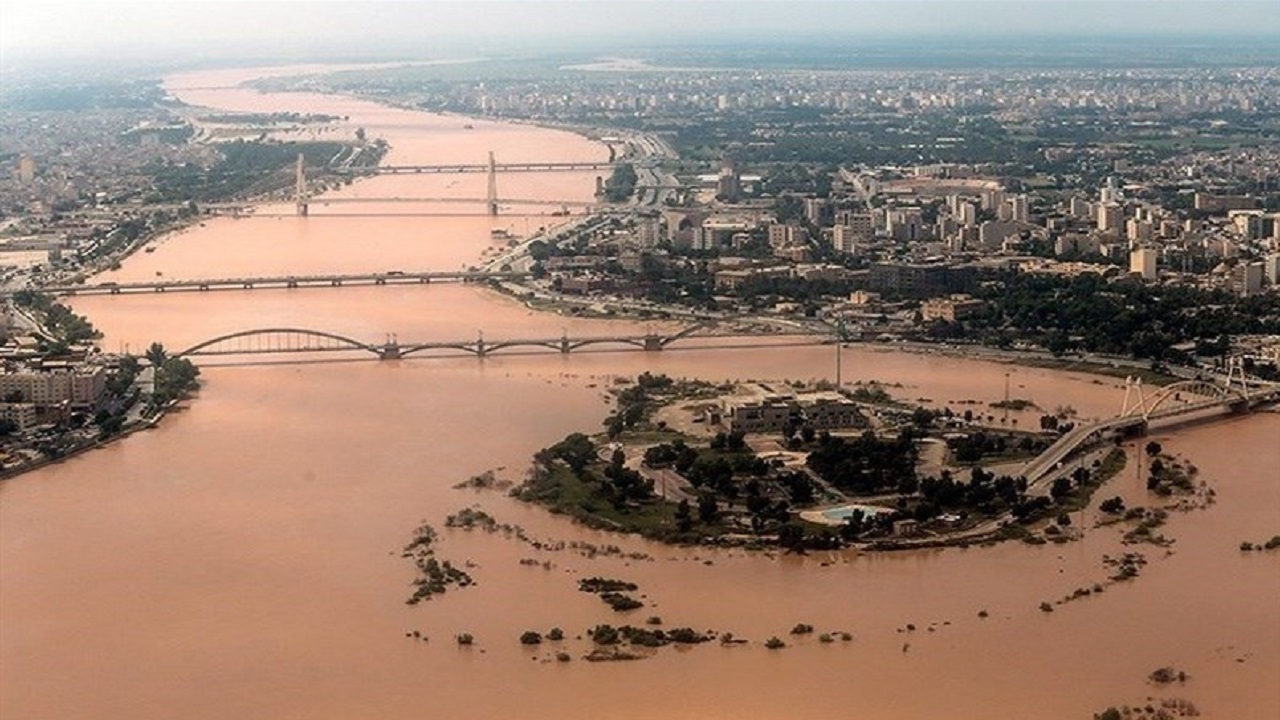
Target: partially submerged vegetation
x=612 y=592
x=434 y=576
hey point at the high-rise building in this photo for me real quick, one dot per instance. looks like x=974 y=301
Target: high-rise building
x=26 y=169
x=1271 y=269
x=847 y=238
x=1246 y=278
x=1110 y=217
x=815 y=210
x=729 y=184
x=906 y=224
x=1110 y=193
x=1142 y=261
x=1019 y=209
x=1081 y=207
x=1138 y=231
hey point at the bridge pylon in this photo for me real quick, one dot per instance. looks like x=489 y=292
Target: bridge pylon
x=492 y=199
x=390 y=350
x=1235 y=371
x=1133 y=389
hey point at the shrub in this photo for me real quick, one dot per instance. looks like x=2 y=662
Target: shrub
x=801 y=629
x=555 y=634
x=774 y=643
x=466 y=639
x=620 y=602
x=531 y=637
x=686 y=636
x=605 y=635
x=1113 y=506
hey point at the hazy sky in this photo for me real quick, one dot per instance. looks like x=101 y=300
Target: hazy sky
x=208 y=28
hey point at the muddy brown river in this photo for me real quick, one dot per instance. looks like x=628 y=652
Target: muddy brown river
x=242 y=559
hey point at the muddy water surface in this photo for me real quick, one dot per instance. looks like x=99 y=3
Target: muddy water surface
x=242 y=559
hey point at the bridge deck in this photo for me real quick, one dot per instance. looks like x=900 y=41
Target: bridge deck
x=475 y=168
x=279 y=281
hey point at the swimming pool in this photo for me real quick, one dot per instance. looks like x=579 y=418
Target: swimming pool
x=837 y=515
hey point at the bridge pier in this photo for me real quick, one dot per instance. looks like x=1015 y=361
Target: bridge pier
x=390 y=351
x=652 y=343
x=565 y=347
x=1136 y=430
x=303 y=209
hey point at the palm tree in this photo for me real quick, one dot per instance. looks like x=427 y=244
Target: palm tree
x=156 y=355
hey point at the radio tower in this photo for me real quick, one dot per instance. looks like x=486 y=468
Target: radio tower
x=493 y=186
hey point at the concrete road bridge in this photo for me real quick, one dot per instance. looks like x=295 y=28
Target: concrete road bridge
x=278 y=282
x=322 y=201
x=303 y=199
x=461 y=168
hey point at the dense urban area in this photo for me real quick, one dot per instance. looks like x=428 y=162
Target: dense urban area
x=919 y=350
x=1097 y=216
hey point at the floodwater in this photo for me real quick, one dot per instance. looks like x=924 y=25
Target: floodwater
x=241 y=560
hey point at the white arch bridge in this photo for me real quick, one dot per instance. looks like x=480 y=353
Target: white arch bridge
x=285 y=340
x=1178 y=402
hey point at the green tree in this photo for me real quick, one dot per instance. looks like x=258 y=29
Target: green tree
x=156 y=355
x=684 y=516
x=1061 y=488
x=708 y=509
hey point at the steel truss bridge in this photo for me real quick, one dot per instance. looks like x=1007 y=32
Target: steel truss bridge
x=1179 y=402
x=272 y=341
x=279 y=282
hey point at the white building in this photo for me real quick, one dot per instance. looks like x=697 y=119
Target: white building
x=80 y=387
